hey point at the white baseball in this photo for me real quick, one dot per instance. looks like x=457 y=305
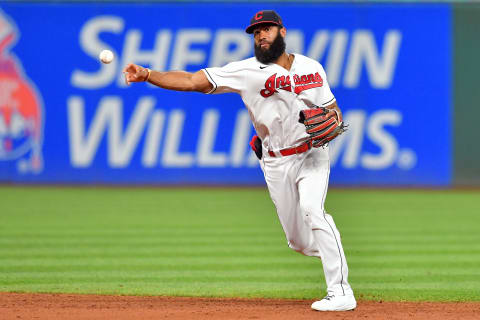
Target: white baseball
x=106 y=56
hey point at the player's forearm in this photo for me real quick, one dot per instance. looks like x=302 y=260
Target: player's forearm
x=173 y=80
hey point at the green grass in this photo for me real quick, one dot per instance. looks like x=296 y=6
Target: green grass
x=400 y=245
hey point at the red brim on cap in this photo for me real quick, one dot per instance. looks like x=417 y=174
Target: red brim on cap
x=254 y=25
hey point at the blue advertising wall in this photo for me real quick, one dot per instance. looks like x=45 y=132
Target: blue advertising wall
x=67 y=118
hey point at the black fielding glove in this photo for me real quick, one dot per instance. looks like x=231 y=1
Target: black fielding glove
x=256 y=145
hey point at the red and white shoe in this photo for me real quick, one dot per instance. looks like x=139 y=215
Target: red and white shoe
x=335 y=303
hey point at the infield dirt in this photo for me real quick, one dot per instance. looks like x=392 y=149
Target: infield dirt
x=68 y=306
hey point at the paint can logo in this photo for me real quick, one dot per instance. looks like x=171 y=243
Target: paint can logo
x=21 y=107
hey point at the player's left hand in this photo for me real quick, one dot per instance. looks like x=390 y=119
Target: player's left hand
x=323 y=125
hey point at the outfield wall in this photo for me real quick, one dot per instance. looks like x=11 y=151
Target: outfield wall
x=66 y=118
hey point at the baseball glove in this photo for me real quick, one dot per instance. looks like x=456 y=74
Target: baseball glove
x=256 y=145
x=323 y=125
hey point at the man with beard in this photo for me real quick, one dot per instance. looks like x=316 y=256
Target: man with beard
x=275 y=86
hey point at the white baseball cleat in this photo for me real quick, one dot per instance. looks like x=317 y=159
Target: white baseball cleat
x=335 y=303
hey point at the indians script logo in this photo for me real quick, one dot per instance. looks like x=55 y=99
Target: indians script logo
x=302 y=83
x=21 y=111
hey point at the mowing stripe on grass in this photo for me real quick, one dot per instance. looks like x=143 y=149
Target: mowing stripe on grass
x=400 y=245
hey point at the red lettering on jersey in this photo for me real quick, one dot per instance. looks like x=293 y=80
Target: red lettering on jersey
x=296 y=79
x=301 y=88
x=287 y=86
x=280 y=82
x=302 y=83
x=307 y=81
x=269 y=87
x=273 y=83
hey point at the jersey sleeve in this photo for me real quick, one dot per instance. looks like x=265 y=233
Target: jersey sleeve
x=229 y=78
x=326 y=95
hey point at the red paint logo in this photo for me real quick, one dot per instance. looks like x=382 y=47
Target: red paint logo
x=21 y=112
x=302 y=83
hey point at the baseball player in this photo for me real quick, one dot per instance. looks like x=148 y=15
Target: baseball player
x=295 y=115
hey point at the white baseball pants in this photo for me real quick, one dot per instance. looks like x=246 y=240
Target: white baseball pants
x=298 y=186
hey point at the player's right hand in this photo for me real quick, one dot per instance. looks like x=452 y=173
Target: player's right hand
x=135 y=73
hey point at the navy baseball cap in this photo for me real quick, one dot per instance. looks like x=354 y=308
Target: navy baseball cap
x=265 y=16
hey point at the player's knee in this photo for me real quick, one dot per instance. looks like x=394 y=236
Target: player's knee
x=311 y=208
x=294 y=245
x=312 y=217
x=303 y=248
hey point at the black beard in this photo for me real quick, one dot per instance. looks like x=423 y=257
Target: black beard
x=277 y=48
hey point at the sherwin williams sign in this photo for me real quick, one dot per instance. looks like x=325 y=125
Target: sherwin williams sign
x=65 y=117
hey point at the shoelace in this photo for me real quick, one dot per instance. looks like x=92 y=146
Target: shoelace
x=328 y=298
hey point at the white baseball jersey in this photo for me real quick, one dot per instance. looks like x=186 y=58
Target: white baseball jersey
x=274 y=96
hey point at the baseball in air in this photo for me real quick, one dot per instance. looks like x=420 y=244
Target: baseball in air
x=106 y=56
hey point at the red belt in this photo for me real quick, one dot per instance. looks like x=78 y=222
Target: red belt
x=295 y=150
